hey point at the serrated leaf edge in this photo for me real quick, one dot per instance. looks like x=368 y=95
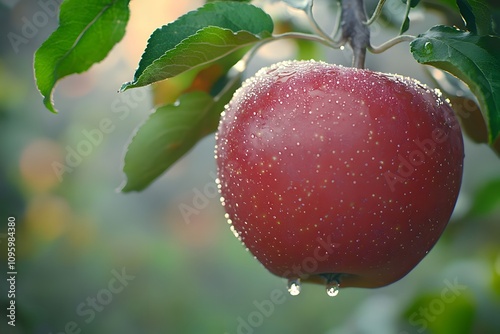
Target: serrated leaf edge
x=137 y=82
x=460 y=74
x=48 y=99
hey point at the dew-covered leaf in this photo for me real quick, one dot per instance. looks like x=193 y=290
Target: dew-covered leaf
x=473 y=59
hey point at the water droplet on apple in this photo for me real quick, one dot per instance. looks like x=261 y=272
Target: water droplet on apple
x=235 y=233
x=317 y=93
x=332 y=288
x=294 y=286
x=283 y=75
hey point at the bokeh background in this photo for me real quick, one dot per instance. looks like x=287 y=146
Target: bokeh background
x=186 y=273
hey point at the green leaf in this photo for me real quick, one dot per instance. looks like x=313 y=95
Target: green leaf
x=187 y=32
x=87 y=31
x=406 y=22
x=477 y=16
x=405 y=26
x=206 y=46
x=473 y=59
x=210 y=78
x=167 y=135
x=170 y=132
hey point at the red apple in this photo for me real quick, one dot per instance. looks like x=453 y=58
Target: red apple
x=338 y=175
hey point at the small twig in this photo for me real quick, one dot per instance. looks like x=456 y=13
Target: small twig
x=315 y=25
x=314 y=38
x=390 y=43
x=320 y=31
x=337 y=24
x=376 y=13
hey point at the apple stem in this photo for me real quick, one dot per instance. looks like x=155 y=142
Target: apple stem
x=355 y=31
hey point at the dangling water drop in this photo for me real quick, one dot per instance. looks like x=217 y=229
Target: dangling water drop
x=294 y=286
x=428 y=47
x=332 y=288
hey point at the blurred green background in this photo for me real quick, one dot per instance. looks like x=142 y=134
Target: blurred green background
x=186 y=273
